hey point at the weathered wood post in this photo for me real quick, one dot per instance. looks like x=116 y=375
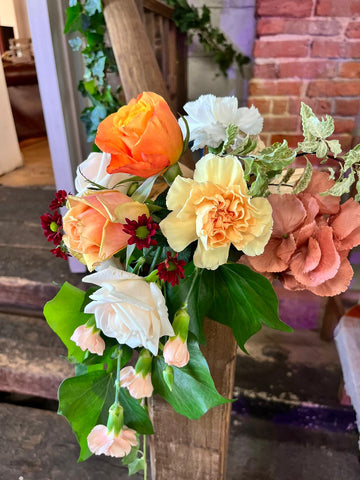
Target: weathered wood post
x=181 y=449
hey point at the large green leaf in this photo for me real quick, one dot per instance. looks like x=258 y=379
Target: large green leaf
x=63 y=314
x=193 y=392
x=85 y=401
x=81 y=400
x=243 y=300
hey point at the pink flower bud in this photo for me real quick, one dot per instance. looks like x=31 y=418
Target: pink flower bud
x=138 y=385
x=176 y=352
x=102 y=441
x=88 y=338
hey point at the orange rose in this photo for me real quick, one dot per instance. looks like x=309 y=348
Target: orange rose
x=142 y=137
x=94 y=225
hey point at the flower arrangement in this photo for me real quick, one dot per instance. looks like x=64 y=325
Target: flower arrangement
x=160 y=262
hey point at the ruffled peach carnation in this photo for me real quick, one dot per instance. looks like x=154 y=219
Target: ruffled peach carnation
x=139 y=386
x=101 y=441
x=311 y=240
x=176 y=353
x=88 y=338
x=216 y=209
x=142 y=137
x=94 y=225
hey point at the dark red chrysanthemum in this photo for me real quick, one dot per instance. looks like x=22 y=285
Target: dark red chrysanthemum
x=59 y=200
x=141 y=231
x=51 y=224
x=171 y=269
x=59 y=252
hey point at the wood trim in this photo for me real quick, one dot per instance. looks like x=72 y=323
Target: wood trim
x=159 y=7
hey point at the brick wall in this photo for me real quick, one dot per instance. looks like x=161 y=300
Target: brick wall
x=307 y=50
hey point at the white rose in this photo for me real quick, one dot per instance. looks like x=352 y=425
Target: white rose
x=94 y=169
x=128 y=308
x=209 y=116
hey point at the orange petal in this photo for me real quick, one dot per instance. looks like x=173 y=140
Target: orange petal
x=288 y=213
x=327 y=266
x=346 y=223
x=320 y=182
x=108 y=138
x=271 y=260
x=338 y=284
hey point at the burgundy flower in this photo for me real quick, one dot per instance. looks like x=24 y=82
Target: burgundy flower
x=59 y=200
x=171 y=269
x=141 y=231
x=51 y=225
x=59 y=252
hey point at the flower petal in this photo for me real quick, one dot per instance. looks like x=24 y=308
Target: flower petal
x=226 y=172
x=211 y=258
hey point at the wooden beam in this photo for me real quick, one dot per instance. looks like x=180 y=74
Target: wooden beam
x=135 y=58
x=185 y=449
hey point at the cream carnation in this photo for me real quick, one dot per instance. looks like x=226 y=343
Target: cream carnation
x=128 y=308
x=209 y=116
x=215 y=208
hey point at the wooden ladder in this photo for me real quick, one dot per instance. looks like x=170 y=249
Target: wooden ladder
x=151 y=56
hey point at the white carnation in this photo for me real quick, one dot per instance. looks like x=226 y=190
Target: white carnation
x=209 y=116
x=94 y=169
x=128 y=308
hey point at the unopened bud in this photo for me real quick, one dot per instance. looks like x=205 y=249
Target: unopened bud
x=168 y=374
x=181 y=324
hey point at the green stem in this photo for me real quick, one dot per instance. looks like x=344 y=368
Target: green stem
x=155 y=259
x=145 y=461
x=117 y=379
x=196 y=273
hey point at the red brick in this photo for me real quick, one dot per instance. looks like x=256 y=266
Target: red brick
x=328 y=48
x=274 y=87
x=292 y=140
x=344 y=125
x=281 y=48
x=308 y=69
x=280 y=106
x=262 y=104
x=284 y=8
x=345 y=140
x=353 y=30
x=334 y=8
x=347 y=107
x=320 y=106
x=266 y=70
x=302 y=26
x=270 y=26
x=335 y=88
x=350 y=70
x=281 y=123
x=353 y=49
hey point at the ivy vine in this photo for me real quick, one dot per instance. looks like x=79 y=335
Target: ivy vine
x=85 y=20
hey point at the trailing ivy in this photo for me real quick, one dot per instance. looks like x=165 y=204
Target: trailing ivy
x=85 y=19
x=192 y=21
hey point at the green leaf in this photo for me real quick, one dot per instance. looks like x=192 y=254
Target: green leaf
x=134 y=415
x=305 y=178
x=334 y=146
x=92 y=6
x=81 y=400
x=243 y=300
x=63 y=314
x=193 y=392
x=231 y=134
x=342 y=186
x=142 y=193
x=75 y=43
x=136 y=466
x=73 y=18
x=321 y=150
x=197 y=302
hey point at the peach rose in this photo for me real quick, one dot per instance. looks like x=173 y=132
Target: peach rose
x=93 y=225
x=216 y=209
x=142 y=137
